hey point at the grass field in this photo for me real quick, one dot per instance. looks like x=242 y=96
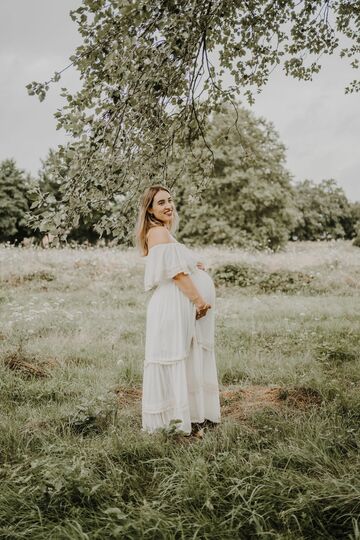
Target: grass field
x=284 y=462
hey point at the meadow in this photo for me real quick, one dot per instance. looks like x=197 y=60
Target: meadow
x=284 y=462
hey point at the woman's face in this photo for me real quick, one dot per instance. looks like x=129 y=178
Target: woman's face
x=163 y=207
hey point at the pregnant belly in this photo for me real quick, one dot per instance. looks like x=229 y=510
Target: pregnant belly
x=205 y=285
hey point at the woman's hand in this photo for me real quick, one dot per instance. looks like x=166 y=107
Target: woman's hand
x=202 y=309
x=200 y=265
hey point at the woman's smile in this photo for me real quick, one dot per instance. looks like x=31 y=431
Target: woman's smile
x=163 y=207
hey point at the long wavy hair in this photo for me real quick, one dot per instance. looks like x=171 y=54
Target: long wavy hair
x=146 y=220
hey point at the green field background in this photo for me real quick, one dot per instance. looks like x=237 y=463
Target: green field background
x=74 y=462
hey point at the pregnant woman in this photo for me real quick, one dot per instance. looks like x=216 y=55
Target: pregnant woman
x=180 y=377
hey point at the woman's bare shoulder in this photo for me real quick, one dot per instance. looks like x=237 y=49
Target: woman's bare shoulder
x=158 y=235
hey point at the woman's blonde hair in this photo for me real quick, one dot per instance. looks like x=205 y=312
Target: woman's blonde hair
x=146 y=220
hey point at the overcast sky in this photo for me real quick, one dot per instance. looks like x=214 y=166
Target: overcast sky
x=317 y=122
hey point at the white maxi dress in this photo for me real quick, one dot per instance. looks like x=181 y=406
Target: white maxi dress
x=180 y=376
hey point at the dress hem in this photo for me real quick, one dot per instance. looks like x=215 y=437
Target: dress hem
x=194 y=420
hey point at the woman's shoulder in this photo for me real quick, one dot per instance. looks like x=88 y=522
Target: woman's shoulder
x=158 y=235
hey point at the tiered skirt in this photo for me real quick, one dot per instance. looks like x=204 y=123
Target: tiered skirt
x=186 y=390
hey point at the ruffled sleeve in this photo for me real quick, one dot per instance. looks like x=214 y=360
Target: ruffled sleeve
x=164 y=261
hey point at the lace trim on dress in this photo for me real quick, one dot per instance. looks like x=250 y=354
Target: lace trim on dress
x=164 y=406
x=166 y=361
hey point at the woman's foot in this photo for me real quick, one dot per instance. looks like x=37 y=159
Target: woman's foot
x=198 y=429
x=209 y=423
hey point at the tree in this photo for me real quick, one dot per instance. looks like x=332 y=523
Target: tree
x=14 y=202
x=153 y=71
x=249 y=201
x=324 y=212
x=355 y=214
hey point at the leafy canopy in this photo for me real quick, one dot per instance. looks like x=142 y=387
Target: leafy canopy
x=153 y=71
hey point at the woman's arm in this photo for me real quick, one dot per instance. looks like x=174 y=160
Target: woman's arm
x=160 y=235
x=186 y=285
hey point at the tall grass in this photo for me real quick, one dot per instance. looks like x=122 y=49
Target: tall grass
x=74 y=462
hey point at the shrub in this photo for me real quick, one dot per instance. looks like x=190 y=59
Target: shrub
x=244 y=275
x=356 y=241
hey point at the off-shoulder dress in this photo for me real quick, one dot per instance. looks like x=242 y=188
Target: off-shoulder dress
x=180 y=376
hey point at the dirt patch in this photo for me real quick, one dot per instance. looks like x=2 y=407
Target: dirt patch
x=29 y=367
x=300 y=397
x=128 y=395
x=239 y=402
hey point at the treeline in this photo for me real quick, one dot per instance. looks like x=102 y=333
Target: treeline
x=251 y=201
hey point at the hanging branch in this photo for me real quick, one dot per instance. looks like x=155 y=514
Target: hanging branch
x=148 y=85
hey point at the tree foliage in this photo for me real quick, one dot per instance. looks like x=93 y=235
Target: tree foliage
x=324 y=212
x=249 y=201
x=153 y=71
x=355 y=214
x=49 y=200
x=14 y=201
